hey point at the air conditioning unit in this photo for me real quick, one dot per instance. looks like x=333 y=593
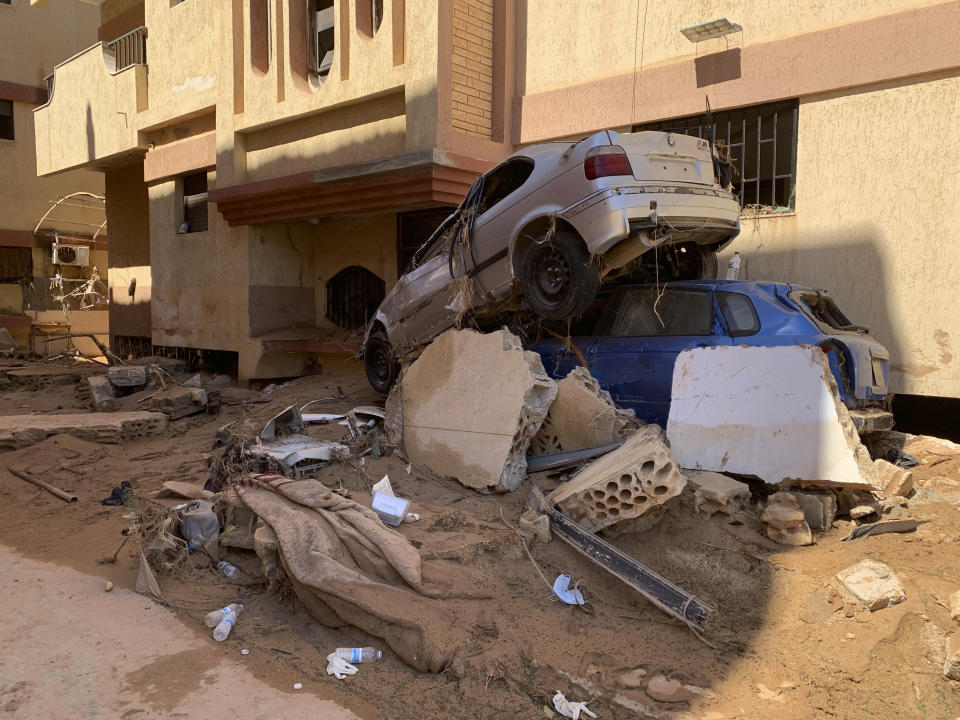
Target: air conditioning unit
x=71 y=254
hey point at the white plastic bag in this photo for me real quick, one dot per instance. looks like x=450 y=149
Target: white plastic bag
x=570 y=709
x=340 y=668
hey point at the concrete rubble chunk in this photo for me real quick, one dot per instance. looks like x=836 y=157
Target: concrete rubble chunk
x=20 y=431
x=819 y=508
x=862 y=511
x=894 y=480
x=471 y=404
x=102 y=396
x=622 y=484
x=669 y=690
x=785 y=521
x=716 y=493
x=582 y=416
x=177 y=401
x=955 y=607
x=771 y=412
x=872 y=583
x=131 y=376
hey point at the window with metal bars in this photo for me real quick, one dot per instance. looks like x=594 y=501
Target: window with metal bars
x=353 y=296
x=16 y=264
x=762 y=142
x=194 y=203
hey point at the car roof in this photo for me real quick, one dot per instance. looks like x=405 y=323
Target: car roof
x=744 y=286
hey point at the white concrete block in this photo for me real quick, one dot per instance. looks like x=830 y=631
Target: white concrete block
x=774 y=413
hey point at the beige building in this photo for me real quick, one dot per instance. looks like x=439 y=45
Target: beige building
x=270 y=164
x=31 y=42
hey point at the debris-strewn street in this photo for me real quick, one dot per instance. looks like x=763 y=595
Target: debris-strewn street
x=789 y=633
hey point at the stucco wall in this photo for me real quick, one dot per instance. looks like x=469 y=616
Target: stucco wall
x=130 y=277
x=875 y=223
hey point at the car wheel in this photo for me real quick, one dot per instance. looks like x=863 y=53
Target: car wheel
x=709 y=265
x=558 y=278
x=379 y=362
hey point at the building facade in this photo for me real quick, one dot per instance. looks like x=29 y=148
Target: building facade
x=32 y=41
x=270 y=164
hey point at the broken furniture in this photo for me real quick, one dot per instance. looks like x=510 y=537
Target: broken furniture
x=471 y=403
x=622 y=484
x=658 y=590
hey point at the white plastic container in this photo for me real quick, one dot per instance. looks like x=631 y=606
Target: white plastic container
x=226 y=624
x=213 y=619
x=359 y=655
x=733 y=269
x=228 y=570
x=391 y=509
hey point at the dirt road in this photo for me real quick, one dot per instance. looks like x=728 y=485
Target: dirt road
x=71 y=650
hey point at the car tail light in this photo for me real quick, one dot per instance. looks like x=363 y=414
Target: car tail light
x=606 y=161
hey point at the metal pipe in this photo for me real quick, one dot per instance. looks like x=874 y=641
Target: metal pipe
x=23 y=475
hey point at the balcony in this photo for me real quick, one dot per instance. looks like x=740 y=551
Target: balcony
x=90 y=119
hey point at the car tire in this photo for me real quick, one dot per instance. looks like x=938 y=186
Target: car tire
x=379 y=362
x=709 y=265
x=558 y=278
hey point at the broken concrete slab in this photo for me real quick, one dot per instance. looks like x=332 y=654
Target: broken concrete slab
x=177 y=401
x=872 y=583
x=20 y=431
x=128 y=376
x=951 y=666
x=771 y=412
x=785 y=521
x=819 y=508
x=470 y=404
x=102 y=396
x=894 y=480
x=716 y=493
x=583 y=415
x=622 y=484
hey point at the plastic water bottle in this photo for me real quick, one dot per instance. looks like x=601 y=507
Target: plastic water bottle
x=213 y=619
x=223 y=629
x=228 y=570
x=733 y=269
x=359 y=655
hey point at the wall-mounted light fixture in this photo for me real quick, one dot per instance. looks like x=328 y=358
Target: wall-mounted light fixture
x=710 y=30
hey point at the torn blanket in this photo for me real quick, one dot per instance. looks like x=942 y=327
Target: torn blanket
x=349 y=569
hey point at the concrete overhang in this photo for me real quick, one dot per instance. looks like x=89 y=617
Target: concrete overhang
x=418 y=179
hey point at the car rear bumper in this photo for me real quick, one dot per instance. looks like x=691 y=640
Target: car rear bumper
x=700 y=214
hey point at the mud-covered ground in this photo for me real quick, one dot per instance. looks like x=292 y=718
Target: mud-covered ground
x=771 y=650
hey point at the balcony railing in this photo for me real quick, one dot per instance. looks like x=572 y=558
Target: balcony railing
x=129 y=49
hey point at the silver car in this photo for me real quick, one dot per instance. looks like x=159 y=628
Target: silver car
x=542 y=229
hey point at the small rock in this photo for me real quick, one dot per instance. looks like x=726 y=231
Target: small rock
x=862 y=511
x=951 y=666
x=664 y=689
x=108 y=587
x=895 y=481
x=532 y=525
x=631 y=679
x=851 y=636
x=819 y=508
x=850 y=609
x=547 y=711
x=766 y=693
x=955 y=607
x=862 y=616
x=716 y=493
x=821 y=605
x=872 y=583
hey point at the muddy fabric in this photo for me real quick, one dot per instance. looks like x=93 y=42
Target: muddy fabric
x=348 y=568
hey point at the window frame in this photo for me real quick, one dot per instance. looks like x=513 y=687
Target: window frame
x=185 y=198
x=314 y=61
x=721 y=127
x=722 y=297
x=12 y=123
x=510 y=163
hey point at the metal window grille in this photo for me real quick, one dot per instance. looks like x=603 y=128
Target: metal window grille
x=762 y=140
x=195 y=202
x=129 y=49
x=6 y=120
x=353 y=296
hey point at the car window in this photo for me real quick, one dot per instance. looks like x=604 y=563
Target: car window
x=646 y=312
x=739 y=312
x=435 y=246
x=504 y=180
x=822 y=307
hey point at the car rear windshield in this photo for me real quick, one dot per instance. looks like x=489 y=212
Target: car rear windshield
x=668 y=312
x=823 y=309
x=740 y=314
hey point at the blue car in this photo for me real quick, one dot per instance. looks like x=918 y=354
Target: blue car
x=631 y=337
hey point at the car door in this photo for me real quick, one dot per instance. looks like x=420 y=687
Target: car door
x=644 y=331
x=424 y=291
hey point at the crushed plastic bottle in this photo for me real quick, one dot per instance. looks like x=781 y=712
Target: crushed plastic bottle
x=228 y=570
x=213 y=619
x=230 y=616
x=359 y=655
